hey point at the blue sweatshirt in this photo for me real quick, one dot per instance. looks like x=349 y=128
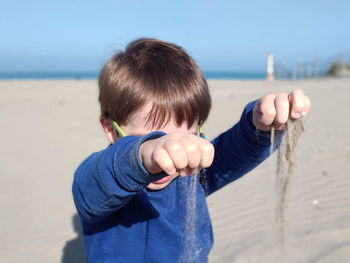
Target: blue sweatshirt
x=123 y=221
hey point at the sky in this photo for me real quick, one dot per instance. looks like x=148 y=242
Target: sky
x=78 y=35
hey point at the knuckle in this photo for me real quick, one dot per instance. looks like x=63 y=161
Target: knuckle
x=172 y=145
x=208 y=148
x=192 y=148
x=181 y=163
x=269 y=96
x=208 y=156
x=270 y=113
x=283 y=104
x=298 y=92
x=266 y=100
x=207 y=162
x=307 y=101
x=280 y=121
x=282 y=101
x=166 y=166
x=158 y=154
x=193 y=163
x=298 y=105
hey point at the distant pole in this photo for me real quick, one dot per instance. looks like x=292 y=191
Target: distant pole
x=342 y=60
x=278 y=71
x=269 y=68
x=315 y=66
x=295 y=73
x=301 y=70
x=285 y=72
x=282 y=72
x=309 y=72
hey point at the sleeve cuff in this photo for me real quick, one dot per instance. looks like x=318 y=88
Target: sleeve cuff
x=129 y=170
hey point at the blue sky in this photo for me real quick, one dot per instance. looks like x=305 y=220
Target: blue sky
x=221 y=35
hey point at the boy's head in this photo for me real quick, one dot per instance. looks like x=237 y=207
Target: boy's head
x=153 y=76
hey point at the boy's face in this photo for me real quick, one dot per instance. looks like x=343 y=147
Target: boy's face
x=137 y=126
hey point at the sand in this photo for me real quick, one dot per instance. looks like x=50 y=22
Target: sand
x=49 y=127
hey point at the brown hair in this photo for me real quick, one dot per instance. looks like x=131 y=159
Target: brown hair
x=151 y=70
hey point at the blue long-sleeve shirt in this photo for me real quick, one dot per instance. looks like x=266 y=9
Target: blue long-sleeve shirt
x=123 y=221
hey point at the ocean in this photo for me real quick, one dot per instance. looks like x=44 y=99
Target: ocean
x=256 y=75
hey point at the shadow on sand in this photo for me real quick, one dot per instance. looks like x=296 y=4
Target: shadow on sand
x=73 y=251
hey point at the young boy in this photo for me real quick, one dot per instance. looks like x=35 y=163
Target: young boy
x=134 y=197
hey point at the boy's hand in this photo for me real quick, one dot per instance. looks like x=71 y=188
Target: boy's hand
x=274 y=110
x=176 y=153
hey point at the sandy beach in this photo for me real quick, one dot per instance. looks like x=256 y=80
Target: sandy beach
x=49 y=127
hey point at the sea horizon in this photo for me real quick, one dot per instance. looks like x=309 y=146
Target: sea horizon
x=46 y=75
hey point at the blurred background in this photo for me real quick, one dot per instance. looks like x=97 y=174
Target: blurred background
x=63 y=38
x=51 y=53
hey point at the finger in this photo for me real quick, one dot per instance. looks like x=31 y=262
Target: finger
x=190 y=144
x=186 y=171
x=297 y=101
x=307 y=106
x=176 y=153
x=161 y=157
x=207 y=154
x=266 y=107
x=282 y=110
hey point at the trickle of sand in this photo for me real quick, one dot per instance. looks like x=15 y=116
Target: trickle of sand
x=190 y=242
x=286 y=159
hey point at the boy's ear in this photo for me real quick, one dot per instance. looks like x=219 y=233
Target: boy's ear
x=108 y=129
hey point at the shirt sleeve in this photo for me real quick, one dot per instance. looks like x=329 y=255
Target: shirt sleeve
x=108 y=179
x=237 y=151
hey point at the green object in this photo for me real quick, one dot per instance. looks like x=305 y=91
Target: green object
x=123 y=134
x=201 y=132
x=118 y=129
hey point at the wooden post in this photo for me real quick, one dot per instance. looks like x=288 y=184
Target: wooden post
x=315 y=66
x=295 y=73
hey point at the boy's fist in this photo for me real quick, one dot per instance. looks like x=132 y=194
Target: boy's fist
x=274 y=110
x=176 y=153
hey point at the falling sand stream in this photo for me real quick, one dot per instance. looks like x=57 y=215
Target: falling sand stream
x=190 y=220
x=285 y=168
x=286 y=160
